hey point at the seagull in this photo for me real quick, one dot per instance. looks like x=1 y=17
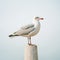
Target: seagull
x=29 y=30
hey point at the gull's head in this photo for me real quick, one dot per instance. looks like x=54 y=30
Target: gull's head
x=38 y=18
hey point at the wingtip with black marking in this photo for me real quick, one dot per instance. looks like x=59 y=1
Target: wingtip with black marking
x=11 y=35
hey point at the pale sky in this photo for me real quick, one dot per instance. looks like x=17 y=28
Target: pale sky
x=16 y=13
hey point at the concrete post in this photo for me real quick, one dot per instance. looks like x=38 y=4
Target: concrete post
x=31 y=52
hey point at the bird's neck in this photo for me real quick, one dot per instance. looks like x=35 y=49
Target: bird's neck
x=36 y=23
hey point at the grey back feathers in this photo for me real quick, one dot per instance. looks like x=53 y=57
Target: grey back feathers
x=27 y=26
x=25 y=30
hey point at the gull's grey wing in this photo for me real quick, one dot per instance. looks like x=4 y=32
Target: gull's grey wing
x=27 y=26
x=25 y=30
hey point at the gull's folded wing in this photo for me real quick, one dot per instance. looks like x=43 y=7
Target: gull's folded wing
x=25 y=30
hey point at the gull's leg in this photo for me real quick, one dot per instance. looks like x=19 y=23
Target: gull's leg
x=29 y=40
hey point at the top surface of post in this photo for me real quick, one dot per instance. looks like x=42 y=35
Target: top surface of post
x=31 y=45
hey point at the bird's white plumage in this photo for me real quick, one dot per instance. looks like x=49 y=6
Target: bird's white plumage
x=28 y=30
